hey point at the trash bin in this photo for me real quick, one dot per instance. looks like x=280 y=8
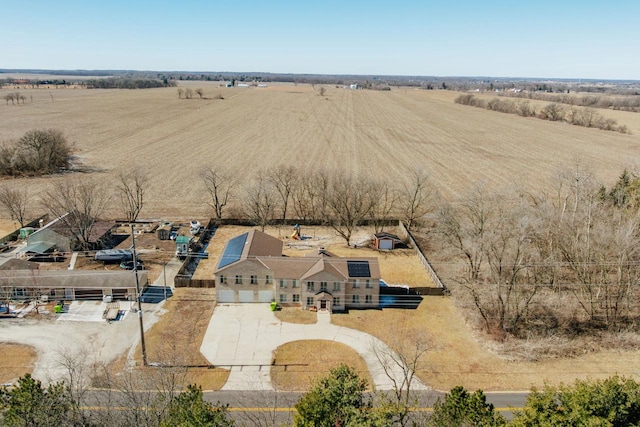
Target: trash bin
x=274 y=306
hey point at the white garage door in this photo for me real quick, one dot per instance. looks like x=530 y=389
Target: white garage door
x=245 y=296
x=385 y=244
x=265 y=296
x=225 y=296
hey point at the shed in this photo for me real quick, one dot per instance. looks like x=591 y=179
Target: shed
x=164 y=231
x=182 y=246
x=385 y=241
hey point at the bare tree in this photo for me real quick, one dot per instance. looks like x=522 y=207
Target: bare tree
x=400 y=365
x=200 y=93
x=78 y=203
x=132 y=187
x=349 y=202
x=553 y=112
x=322 y=90
x=41 y=152
x=285 y=180
x=220 y=185
x=416 y=198
x=180 y=93
x=383 y=197
x=465 y=228
x=78 y=367
x=188 y=93
x=16 y=202
x=260 y=202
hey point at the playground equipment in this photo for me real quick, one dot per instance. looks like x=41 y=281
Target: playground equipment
x=296 y=232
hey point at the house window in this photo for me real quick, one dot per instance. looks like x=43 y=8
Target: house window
x=283 y=297
x=355 y=299
x=323 y=286
x=238 y=279
x=283 y=283
x=356 y=283
x=310 y=286
x=268 y=280
x=223 y=279
x=296 y=283
x=336 y=301
x=336 y=286
x=254 y=279
x=309 y=301
x=296 y=297
x=367 y=283
x=368 y=299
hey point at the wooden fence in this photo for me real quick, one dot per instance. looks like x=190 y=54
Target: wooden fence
x=184 y=277
x=187 y=282
x=434 y=276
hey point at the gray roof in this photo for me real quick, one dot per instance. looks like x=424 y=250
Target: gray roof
x=71 y=279
x=37 y=248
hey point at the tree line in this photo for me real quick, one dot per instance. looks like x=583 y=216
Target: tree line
x=619 y=102
x=127 y=83
x=338 y=399
x=563 y=261
x=586 y=117
x=334 y=198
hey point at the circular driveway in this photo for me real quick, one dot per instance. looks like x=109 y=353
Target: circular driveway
x=242 y=338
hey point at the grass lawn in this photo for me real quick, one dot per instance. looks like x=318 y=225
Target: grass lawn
x=297 y=315
x=299 y=364
x=178 y=334
x=16 y=360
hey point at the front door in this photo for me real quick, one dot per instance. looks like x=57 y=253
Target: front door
x=323 y=305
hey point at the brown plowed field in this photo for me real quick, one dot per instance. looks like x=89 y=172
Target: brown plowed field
x=387 y=133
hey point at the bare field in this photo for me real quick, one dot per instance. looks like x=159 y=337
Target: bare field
x=388 y=133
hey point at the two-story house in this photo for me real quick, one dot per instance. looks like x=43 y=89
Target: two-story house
x=253 y=269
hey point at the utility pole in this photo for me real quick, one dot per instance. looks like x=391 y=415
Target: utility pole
x=164 y=273
x=135 y=271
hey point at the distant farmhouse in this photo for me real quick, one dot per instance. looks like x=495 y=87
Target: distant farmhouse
x=252 y=269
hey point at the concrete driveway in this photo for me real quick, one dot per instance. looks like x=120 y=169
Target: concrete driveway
x=242 y=338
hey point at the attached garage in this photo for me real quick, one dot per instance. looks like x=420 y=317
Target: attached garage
x=265 y=296
x=225 y=296
x=245 y=296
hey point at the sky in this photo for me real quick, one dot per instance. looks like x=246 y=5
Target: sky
x=499 y=38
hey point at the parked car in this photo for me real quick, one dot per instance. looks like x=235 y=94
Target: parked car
x=128 y=265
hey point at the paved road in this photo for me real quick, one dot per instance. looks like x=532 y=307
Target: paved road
x=270 y=408
x=275 y=408
x=243 y=337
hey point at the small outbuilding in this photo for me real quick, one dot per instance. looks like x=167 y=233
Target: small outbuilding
x=164 y=231
x=182 y=246
x=386 y=241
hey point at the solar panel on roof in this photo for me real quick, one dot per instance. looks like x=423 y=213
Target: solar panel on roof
x=233 y=250
x=358 y=269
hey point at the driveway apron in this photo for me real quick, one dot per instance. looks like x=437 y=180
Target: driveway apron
x=242 y=338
